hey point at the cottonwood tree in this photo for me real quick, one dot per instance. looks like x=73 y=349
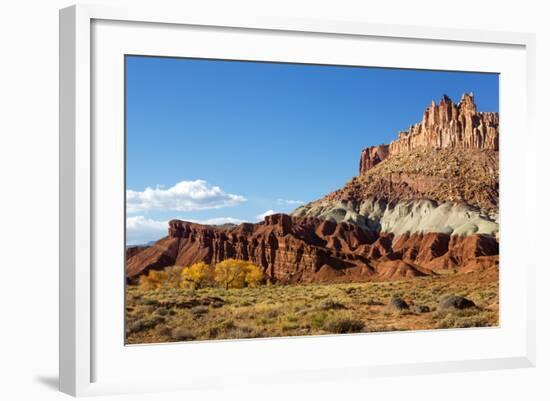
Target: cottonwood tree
x=233 y=273
x=197 y=275
x=254 y=275
x=153 y=279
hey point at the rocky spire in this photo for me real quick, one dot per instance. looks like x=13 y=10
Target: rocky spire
x=443 y=125
x=370 y=157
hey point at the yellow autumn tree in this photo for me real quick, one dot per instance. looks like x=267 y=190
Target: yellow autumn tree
x=254 y=275
x=153 y=279
x=234 y=273
x=197 y=275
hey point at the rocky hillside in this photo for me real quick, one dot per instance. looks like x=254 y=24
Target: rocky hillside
x=440 y=176
x=296 y=249
x=453 y=191
x=424 y=203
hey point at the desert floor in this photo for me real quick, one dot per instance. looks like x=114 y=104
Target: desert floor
x=166 y=315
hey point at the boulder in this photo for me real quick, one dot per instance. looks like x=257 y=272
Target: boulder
x=422 y=309
x=455 y=302
x=397 y=304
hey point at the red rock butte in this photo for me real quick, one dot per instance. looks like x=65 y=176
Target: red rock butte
x=443 y=125
x=293 y=249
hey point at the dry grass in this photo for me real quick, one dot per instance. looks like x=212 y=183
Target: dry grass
x=165 y=315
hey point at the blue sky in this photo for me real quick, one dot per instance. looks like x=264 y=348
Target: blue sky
x=214 y=141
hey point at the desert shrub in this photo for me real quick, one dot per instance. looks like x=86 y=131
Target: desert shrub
x=220 y=327
x=455 y=320
x=264 y=320
x=161 y=311
x=144 y=324
x=166 y=331
x=327 y=304
x=292 y=318
x=182 y=334
x=343 y=324
x=318 y=320
x=234 y=273
x=372 y=302
x=289 y=326
x=151 y=302
x=197 y=276
x=173 y=277
x=199 y=310
x=239 y=332
x=226 y=329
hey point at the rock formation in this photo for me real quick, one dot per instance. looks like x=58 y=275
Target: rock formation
x=371 y=156
x=428 y=201
x=403 y=216
x=295 y=249
x=440 y=176
x=443 y=125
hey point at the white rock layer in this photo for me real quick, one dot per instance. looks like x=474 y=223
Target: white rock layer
x=405 y=217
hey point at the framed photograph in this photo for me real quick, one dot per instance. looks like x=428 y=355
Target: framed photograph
x=278 y=200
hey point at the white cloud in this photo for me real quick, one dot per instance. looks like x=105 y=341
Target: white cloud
x=140 y=229
x=290 y=202
x=217 y=221
x=185 y=196
x=262 y=216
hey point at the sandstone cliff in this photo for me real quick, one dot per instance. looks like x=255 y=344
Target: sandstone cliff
x=371 y=156
x=443 y=125
x=295 y=249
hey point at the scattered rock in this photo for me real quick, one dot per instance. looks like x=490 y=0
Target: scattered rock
x=422 y=309
x=455 y=302
x=397 y=304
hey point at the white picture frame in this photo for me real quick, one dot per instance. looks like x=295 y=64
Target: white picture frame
x=80 y=313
